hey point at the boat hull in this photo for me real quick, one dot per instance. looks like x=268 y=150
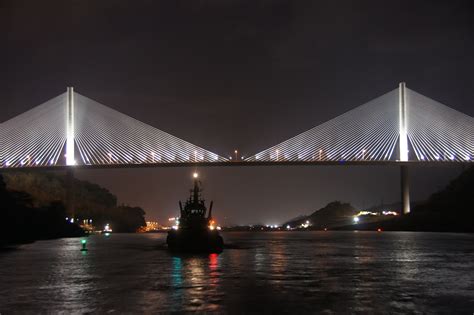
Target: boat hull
x=193 y=241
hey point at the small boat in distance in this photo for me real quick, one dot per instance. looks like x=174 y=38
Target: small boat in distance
x=194 y=232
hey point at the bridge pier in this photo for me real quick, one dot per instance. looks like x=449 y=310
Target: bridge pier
x=70 y=207
x=405 y=189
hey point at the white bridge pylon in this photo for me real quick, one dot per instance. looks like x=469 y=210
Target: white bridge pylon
x=72 y=129
x=399 y=126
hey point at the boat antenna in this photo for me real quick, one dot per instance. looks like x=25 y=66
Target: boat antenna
x=196 y=187
x=209 y=217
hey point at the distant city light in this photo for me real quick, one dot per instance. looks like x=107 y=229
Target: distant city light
x=305 y=225
x=195 y=175
x=356 y=219
x=107 y=228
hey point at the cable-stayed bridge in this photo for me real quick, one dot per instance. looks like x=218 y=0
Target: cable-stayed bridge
x=72 y=129
x=401 y=127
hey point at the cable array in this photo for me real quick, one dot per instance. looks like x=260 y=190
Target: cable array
x=102 y=136
x=371 y=132
x=366 y=133
x=106 y=136
x=35 y=137
x=437 y=132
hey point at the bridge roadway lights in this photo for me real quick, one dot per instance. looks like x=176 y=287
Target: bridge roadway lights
x=405 y=189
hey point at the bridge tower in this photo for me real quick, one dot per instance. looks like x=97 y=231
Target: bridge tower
x=405 y=188
x=70 y=127
x=70 y=157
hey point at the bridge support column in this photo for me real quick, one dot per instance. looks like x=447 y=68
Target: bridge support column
x=405 y=189
x=70 y=207
x=70 y=158
x=402 y=107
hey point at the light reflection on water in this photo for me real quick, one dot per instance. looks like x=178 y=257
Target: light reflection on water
x=290 y=272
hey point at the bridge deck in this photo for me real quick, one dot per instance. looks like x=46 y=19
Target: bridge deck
x=244 y=164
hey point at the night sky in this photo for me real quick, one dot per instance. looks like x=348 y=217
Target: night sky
x=243 y=75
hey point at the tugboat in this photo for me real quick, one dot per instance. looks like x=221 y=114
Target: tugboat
x=195 y=232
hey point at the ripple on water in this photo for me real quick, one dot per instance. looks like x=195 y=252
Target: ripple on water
x=286 y=272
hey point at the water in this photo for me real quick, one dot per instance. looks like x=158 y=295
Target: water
x=284 y=272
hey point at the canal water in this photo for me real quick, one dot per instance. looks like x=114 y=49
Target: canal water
x=281 y=272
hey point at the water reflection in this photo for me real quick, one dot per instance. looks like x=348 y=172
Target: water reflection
x=327 y=272
x=214 y=272
x=259 y=259
x=196 y=283
x=176 y=283
x=278 y=258
x=176 y=275
x=70 y=276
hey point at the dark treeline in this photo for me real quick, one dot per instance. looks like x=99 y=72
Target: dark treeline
x=448 y=210
x=33 y=202
x=23 y=222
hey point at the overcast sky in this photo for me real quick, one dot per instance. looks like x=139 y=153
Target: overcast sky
x=240 y=75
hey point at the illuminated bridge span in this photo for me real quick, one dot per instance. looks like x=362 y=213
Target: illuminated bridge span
x=400 y=127
x=72 y=129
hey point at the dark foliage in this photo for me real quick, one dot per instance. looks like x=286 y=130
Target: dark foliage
x=448 y=210
x=32 y=207
x=24 y=223
x=457 y=198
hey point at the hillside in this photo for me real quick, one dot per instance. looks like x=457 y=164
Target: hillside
x=332 y=215
x=448 y=210
x=91 y=201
